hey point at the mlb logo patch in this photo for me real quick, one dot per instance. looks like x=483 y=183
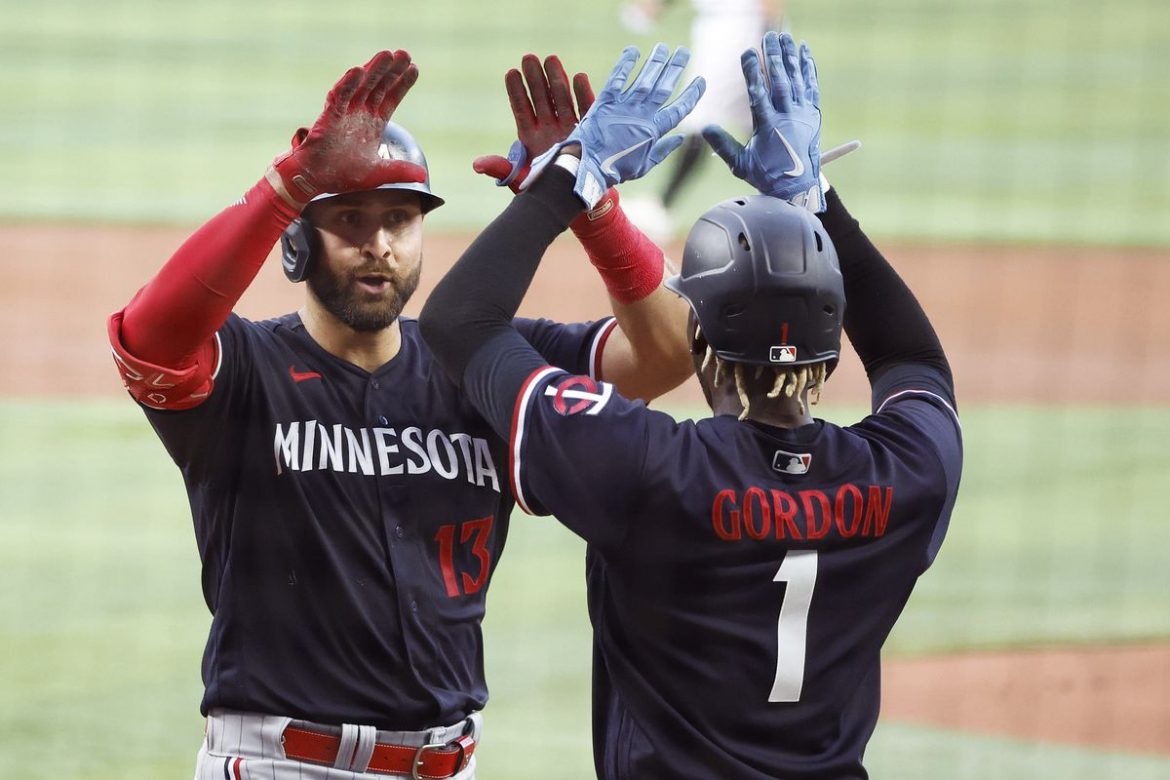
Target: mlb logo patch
x=782 y=354
x=791 y=462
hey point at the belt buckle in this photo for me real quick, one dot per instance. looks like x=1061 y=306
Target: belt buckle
x=416 y=763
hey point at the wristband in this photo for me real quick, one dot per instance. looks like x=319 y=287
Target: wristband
x=630 y=264
x=569 y=162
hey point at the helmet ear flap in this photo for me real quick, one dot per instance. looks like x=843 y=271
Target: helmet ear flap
x=298 y=249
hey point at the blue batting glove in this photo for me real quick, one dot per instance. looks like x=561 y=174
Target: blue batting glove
x=621 y=136
x=517 y=156
x=783 y=156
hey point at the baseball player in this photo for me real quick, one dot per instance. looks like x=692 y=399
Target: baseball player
x=350 y=505
x=720 y=30
x=743 y=570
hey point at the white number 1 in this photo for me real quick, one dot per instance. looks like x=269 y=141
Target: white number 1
x=799 y=570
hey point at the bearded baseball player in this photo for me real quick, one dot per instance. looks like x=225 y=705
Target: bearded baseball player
x=743 y=570
x=350 y=505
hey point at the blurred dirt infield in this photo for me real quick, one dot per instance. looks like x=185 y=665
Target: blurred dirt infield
x=1050 y=326
x=1020 y=325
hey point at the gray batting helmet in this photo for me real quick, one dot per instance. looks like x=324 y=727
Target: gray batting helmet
x=298 y=243
x=763 y=280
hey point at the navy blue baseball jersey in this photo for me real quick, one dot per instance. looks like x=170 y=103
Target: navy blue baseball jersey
x=742 y=578
x=348 y=524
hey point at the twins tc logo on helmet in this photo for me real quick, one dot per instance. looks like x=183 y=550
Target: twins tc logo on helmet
x=576 y=394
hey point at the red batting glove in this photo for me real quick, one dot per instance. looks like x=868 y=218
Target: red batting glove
x=629 y=263
x=544 y=114
x=339 y=152
x=500 y=169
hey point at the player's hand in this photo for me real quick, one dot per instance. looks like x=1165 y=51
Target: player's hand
x=621 y=136
x=783 y=157
x=339 y=153
x=544 y=112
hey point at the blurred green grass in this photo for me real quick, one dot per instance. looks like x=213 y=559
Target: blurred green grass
x=993 y=120
x=983 y=121
x=102 y=624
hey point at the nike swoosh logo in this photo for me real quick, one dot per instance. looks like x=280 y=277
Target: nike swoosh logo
x=607 y=163
x=797 y=163
x=301 y=376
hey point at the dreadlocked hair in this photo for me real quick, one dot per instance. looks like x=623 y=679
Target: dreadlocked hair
x=790 y=382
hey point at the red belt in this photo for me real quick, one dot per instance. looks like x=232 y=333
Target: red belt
x=425 y=761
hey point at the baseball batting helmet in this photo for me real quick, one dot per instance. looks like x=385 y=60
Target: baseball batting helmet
x=299 y=243
x=763 y=280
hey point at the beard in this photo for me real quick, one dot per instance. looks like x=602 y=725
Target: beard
x=341 y=297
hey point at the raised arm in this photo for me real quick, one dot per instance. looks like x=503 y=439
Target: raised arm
x=648 y=354
x=467 y=319
x=163 y=340
x=883 y=319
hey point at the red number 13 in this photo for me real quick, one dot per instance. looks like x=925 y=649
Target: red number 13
x=481 y=528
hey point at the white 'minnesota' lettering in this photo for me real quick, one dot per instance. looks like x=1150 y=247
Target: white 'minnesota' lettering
x=359 y=457
x=484 y=467
x=385 y=450
x=412 y=440
x=286 y=445
x=309 y=445
x=464 y=442
x=435 y=441
x=310 y=439
x=330 y=450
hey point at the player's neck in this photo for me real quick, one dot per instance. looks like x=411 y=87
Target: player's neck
x=366 y=350
x=791 y=418
x=777 y=412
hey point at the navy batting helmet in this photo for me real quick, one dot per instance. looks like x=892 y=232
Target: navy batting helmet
x=299 y=242
x=763 y=280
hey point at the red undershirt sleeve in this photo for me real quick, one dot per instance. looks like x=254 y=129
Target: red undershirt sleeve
x=164 y=339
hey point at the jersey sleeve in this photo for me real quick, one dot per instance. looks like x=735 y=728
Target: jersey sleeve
x=191 y=434
x=577 y=449
x=575 y=348
x=916 y=418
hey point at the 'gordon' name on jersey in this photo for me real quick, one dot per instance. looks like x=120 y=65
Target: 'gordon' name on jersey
x=804 y=514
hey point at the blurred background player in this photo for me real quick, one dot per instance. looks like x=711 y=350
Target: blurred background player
x=720 y=31
x=349 y=504
x=744 y=570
